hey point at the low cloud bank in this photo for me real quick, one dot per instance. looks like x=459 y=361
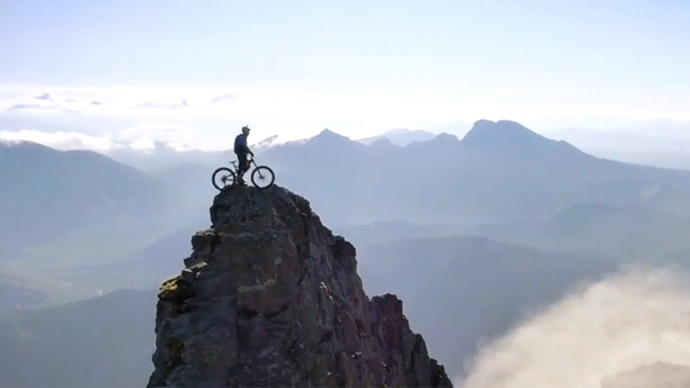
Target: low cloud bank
x=62 y=141
x=636 y=317
x=142 y=137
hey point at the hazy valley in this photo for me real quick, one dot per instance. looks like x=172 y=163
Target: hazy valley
x=475 y=234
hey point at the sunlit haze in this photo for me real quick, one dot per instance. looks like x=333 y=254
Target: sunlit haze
x=478 y=193
x=193 y=72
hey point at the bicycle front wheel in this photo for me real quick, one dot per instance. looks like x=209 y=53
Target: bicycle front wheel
x=263 y=177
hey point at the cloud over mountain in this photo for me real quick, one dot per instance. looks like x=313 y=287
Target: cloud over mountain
x=62 y=141
x=144 y=136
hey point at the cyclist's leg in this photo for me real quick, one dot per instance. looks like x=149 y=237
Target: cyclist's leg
x=243 y=166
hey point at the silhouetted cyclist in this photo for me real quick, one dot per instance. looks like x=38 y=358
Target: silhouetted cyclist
x=242 y=150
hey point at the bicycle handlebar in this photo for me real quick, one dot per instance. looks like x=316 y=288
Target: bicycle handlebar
x=250 y=160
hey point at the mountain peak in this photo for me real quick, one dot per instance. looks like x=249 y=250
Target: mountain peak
x=446 y=137
x=271 y=298
x=382 y=142
x=503 y=132
x=24 y=145
x=509 y=135
x=328 y=134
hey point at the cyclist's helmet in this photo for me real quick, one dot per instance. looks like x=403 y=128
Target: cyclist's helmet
x=245 y=129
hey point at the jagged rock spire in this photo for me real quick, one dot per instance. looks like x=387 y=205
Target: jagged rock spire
x=271 y=298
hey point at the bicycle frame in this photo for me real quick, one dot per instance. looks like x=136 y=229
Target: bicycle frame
x=236 y=166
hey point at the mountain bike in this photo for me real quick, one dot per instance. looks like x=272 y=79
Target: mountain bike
x=262 y=177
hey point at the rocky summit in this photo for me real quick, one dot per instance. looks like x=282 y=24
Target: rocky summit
x=271 y=298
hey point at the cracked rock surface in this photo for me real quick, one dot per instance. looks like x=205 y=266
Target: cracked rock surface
x=271 y=298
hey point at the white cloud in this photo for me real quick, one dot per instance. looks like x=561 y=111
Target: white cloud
x=144 y=144
x=143 y=137
x=634 y=318
x=164 y=105
x=159 y=132
x=51 y=102
x=60 y=140
x=292 y=114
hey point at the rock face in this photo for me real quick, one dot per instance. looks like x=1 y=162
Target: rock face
x=271 y=298
x=657 y=375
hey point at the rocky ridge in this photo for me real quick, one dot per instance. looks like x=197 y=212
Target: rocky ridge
x=271 y=298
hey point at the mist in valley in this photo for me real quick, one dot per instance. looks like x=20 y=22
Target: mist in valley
x=636 y=317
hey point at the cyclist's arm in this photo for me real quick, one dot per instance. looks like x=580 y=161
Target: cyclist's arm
x=246 y=147
x=243 y=145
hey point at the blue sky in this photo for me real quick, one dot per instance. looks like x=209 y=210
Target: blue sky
x=355 y=66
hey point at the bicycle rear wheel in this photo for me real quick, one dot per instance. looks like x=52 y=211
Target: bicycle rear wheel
x=223 y=178
x=263 y=177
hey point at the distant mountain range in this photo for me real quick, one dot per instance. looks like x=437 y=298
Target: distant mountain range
x=668 y=149
x=500 y=171
x=46 y=193
x=632 y=233
x=64 y=209
x=153 y=156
